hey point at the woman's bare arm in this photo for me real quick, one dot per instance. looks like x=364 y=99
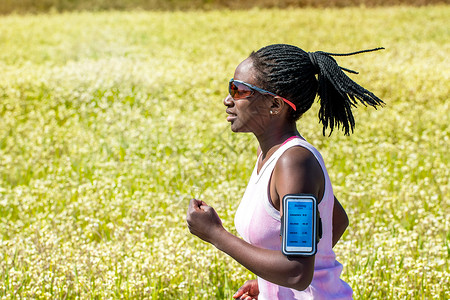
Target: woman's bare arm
x=271 y=265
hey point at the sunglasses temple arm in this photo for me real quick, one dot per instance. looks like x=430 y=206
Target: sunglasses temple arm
x=290 y=104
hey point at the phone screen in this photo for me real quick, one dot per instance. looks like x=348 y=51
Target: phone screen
x=299 y=226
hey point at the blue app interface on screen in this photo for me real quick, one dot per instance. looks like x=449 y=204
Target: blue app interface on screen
x=299 y=224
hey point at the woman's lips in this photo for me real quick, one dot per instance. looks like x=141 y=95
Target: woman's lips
x=231 y=116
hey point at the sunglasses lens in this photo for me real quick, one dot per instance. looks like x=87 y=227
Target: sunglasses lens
x=239 y=91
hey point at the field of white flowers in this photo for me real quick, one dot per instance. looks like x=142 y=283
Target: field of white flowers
x=110 y=122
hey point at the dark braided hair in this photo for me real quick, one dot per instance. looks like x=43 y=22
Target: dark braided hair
x=290 y=72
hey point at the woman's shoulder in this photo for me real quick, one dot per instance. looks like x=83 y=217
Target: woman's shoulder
x=297 y=171
x=298 y=158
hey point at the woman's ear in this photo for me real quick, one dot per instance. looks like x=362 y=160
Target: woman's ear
x=277 y=105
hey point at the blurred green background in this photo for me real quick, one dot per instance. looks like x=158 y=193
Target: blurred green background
x=110 y=121
x=36 y=6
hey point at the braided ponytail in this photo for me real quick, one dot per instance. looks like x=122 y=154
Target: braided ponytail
x=338 y=93
x=290 y=72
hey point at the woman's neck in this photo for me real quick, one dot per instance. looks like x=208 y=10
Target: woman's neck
x=272 y=139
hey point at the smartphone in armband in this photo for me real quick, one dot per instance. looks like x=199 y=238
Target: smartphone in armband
x=301 y=227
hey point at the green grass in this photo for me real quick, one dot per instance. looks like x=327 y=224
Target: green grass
x=111 y=122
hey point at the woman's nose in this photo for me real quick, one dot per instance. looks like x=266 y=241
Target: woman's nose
x=228 y=101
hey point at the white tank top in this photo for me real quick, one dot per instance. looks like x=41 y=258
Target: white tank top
x=258 y=222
